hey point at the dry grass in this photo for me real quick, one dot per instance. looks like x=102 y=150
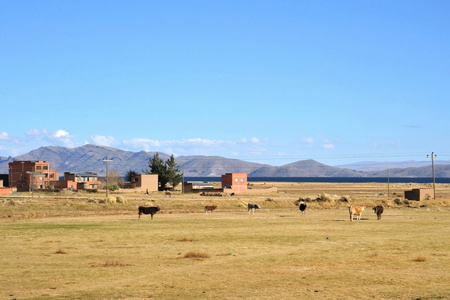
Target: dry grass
x=60 y=251
x=420 y=259
x=197 y=255
x=274 y=254
x=187 y=239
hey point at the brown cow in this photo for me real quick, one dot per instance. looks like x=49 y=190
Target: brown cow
x=210 y=208
x=356 y=210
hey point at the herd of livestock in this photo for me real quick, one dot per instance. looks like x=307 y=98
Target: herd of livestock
x=354 y=211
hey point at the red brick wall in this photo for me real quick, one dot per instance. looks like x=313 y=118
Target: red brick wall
x=5 y=191
x=18 y=172
x=237 y=182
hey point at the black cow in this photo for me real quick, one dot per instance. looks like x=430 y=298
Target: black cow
x=148 y=210
x=251 y=207
x=302 y=207
x=378 y=210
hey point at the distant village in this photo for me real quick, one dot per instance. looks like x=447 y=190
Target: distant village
x=29 y=176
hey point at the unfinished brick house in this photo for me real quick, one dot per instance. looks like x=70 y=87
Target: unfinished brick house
x=234 y=183
x=84 y=181
x=419 y=194
x=25 y=175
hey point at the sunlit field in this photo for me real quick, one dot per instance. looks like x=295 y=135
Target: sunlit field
x=69 y=246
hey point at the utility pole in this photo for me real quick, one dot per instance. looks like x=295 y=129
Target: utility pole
x=106 y=160
x=432 y=170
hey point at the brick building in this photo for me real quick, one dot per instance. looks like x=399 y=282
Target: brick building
x=25 y=175
x=419 y=194
x=234 y=182
x=84 y=181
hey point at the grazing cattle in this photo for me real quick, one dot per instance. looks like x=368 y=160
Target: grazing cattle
x=356 y=210
x=378 y=210
x=210 y=208
x=251 y=207
x=148 y=210
x=302 y=207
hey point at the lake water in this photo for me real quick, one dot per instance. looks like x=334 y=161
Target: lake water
x=330 y=179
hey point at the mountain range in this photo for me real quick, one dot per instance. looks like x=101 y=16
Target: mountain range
x=90 y=158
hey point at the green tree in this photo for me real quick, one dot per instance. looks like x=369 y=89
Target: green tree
x=175 y=177
x=167 y=171
x=129 y=175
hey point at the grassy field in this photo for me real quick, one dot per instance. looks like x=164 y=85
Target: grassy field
x=70 y=247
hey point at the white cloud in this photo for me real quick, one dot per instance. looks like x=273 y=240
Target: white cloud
x=60 y=134
x=328 y=146
x=254 y=140
x=154 y=145
x=104 y=140
x=308 y=140
x=4 y=136
x=37 y=134
x=373 y=145
x=59 y=137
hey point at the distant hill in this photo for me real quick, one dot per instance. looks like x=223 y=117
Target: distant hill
x=305 y=168
x=213 y=166
x=89 y=158
x=440 y=170
x=370 y=166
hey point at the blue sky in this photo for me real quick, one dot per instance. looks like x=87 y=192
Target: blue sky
x=263 y=81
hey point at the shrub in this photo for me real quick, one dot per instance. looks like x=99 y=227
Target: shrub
x=344 y=199
x=111 y=200
x=397 y=201
x=324 y=198
x=121 y=199
x=91 y=200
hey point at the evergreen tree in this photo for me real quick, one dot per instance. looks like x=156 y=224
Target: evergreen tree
x=175 y=177
x=129 y=175
x=167 y=171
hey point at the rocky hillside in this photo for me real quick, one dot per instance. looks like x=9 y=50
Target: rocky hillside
x=90 y=158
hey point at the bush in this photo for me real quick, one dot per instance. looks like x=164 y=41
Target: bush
x=111 y=200
x=90 y=200
x=113 y=187
x=324 y=198
x=121 y=199
x=344 y=199
x=398 y=201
